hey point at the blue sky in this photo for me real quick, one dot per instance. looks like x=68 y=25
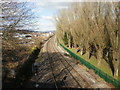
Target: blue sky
x=45 y=11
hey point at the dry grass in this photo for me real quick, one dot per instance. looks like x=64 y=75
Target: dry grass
x=15 y=55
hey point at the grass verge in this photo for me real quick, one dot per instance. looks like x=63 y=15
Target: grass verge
x=103 y=67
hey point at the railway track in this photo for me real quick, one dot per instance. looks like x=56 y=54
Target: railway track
x=81 y=83
x=50 y=65
x=61 y=72
x=50 y=58
x=82 y=79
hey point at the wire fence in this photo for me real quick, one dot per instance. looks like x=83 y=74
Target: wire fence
x=102 y=74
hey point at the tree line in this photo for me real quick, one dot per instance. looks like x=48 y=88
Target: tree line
x=94 y=28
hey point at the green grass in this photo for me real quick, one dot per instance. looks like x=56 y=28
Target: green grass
x=104 y=66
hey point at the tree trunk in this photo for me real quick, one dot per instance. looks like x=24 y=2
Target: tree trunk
x=81 y=51
x=119 y=69
x=100 y=56
x=119 y=57
x=87 y=51
x=69 y=41
x=115 y=57
x=75 y=44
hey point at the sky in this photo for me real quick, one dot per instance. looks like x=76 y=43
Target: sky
x=46 y=10
x=45 y=13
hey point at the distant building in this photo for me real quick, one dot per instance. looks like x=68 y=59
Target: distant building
x=20 y=36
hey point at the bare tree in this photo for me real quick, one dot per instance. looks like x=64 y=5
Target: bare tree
x=15 y=15
x=95 y=28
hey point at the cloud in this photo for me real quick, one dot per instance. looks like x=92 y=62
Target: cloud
x=62 y=7
x=46 y=20
x=52 y=5
x=41 y=3
x=47 y=17
x=45 y=25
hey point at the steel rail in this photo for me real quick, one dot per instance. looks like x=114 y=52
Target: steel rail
x=55 y=82
x=56 y=49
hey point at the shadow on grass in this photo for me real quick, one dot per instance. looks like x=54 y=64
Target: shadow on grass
x=24 y=74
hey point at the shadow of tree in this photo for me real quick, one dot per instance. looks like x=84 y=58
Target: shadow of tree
x=45 y=79
x=44 y=70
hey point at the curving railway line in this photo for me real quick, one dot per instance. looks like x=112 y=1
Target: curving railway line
x=81 y=81
x=75 y=75
x=58 y=71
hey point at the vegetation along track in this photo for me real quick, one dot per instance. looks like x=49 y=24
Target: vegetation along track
x=76 y=79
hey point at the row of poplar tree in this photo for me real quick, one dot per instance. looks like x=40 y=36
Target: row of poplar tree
x=94 y=28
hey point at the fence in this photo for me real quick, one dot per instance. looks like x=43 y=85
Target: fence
x=103 y=75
